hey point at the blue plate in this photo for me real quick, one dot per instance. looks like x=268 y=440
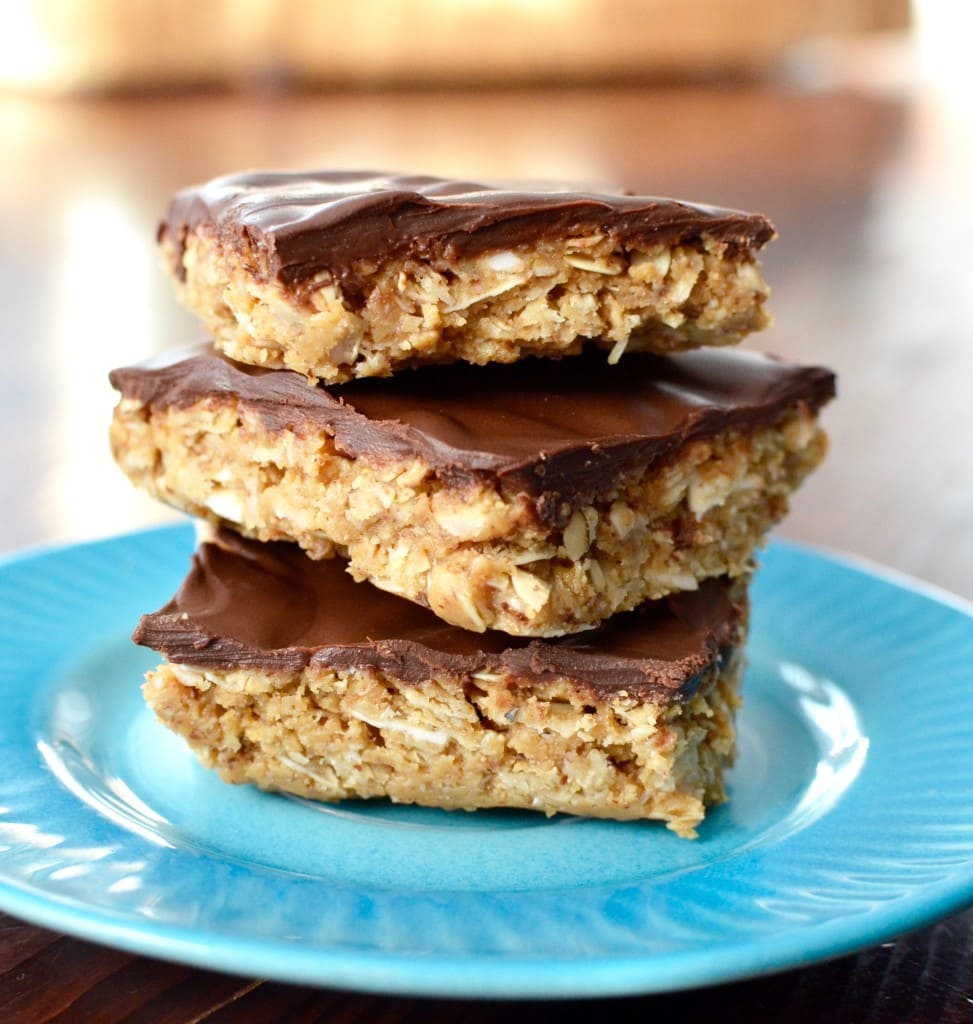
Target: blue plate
x=850 y=816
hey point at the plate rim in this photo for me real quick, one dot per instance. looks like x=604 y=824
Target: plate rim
x=458 y=976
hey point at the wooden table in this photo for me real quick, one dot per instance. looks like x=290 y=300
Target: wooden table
x=871 y=196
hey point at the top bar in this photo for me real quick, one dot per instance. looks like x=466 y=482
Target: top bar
x=358 y=274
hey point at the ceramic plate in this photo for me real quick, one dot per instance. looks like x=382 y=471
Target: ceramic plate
x=850 y=817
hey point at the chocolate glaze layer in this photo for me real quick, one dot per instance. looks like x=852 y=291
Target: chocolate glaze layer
x=303 y=223
x=269 y=607
x=561 y=432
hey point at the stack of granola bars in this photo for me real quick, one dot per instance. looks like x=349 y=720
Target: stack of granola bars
x=487 y=486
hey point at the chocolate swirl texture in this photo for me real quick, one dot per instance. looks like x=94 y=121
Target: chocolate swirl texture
x=269 y=607
x=560 y=432
x=299 y=224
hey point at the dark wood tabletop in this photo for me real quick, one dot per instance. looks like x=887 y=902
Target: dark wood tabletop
x=871 y=192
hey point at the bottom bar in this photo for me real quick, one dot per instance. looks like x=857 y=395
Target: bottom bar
x=284 y=672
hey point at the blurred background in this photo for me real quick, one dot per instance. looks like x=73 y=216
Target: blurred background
x=848 y=122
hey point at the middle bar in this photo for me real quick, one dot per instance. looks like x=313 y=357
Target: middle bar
x=537 y=499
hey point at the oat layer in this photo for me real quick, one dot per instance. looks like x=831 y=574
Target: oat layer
x=547 y=299
x=456 y=744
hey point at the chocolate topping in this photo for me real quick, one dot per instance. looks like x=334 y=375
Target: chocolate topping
x=302 y=223
x=561 y=432
x=269 y=607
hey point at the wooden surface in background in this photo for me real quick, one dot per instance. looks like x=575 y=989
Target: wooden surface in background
x=870 y=276
x=47 y=978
